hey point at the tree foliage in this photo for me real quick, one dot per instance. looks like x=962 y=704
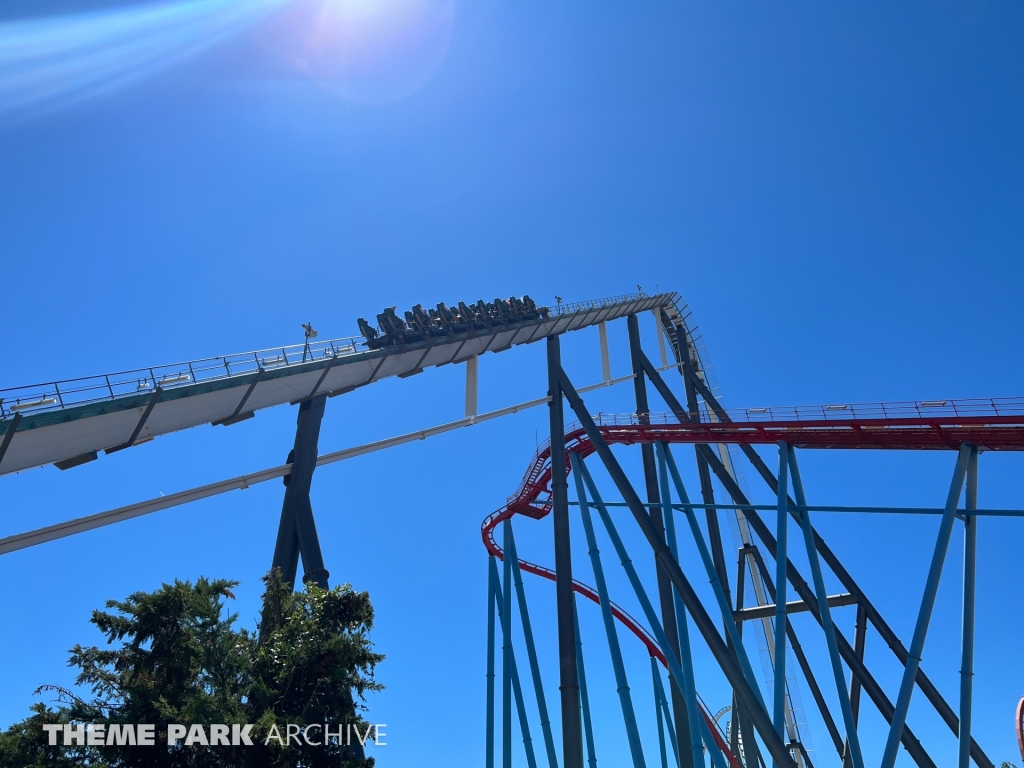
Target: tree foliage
x=175 y=656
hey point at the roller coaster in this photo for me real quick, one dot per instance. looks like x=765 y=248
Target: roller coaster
x=72 y=422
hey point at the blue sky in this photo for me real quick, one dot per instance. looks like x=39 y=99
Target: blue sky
x=836 y=189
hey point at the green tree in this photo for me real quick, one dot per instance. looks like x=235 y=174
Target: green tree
x=175 y=656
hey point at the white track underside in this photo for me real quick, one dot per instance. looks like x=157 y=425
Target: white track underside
x=87 y=429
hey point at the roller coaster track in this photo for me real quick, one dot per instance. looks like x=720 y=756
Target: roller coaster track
x=536 y=483
x=70 y=422
x=1001 y=427
x=997 y=424
x=633 y=626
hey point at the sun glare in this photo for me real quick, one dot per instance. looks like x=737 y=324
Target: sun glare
x=367 y=50
x=371 y=51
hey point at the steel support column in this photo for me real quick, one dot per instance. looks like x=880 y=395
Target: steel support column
x=718 y=759
x=507 y=660
x=891 y=639
x=297 y=531
x=781 y=622
x=492 y=574
x=860 y=631
x=924 y=614
x=737 y=648
x=504 y=614
x=661 y=705
x=671 y=659
x=472 y=379
x=824 y=611
x=658 y=714
x=569 y=687
x=801 y=659
x=748 y=696
x=871 y=686
x=707 y=490
x=606 y=364
x=967 y=649
x=618 y=668
x=734 y=736
x=668 y=613
x=685 y=656
x=531 y=648
x=588 y=727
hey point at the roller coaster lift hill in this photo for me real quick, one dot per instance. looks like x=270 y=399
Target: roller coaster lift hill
x=72 y=422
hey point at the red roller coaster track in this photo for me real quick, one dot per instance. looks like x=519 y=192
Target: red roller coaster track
x=1020 y=727
x=991 y=424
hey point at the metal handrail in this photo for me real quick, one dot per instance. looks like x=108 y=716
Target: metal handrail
x=68 y=393
x=926 y=410
x=565 y=308
x=922 y=410
x=918 y=410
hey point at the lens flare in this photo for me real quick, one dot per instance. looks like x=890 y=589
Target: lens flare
x=371 y=51
x=50 y=62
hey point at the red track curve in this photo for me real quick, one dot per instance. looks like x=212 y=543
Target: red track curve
x=1020 y=727
x=536 y=481
x=989 y=426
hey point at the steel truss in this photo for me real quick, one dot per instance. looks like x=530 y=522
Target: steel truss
x=763 y=723
x=763 y=728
